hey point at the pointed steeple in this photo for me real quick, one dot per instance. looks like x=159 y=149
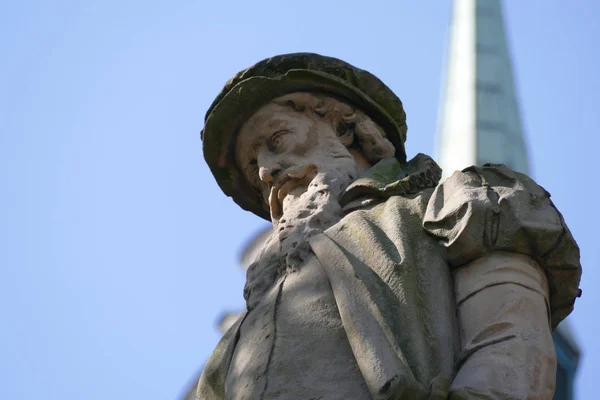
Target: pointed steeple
x=479 y=120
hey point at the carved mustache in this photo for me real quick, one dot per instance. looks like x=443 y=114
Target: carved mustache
x=286 y=182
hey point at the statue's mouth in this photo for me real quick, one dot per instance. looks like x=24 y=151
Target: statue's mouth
x=290 y=181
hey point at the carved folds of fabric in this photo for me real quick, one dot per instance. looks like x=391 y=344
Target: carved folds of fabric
x=390 y=178
x=492 y=208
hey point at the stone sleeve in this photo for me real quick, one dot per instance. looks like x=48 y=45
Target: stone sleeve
x=506 y=349
x=485 y=209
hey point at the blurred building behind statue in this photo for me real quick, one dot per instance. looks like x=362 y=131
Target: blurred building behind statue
x=479 y=122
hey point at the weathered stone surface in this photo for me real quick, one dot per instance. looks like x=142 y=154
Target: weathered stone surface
x=377 y=281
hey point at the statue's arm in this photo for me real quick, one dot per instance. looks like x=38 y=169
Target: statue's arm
x=211 y=385
x=516 y=274
x=506 y=347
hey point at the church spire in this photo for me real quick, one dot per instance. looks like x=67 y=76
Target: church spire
x=479 y=120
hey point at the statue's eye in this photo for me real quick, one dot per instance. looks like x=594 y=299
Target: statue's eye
x=345 y=127
x=277 y=141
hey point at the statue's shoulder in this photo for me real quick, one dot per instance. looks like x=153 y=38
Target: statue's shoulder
x=492 y=208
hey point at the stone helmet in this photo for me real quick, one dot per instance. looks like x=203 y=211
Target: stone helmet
x=273 y=77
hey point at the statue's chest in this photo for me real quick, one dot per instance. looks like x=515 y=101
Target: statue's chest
x=292 y=340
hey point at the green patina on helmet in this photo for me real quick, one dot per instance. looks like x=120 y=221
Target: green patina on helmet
x=273 y=77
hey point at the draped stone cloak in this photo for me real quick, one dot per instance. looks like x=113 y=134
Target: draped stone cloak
x=390 y=259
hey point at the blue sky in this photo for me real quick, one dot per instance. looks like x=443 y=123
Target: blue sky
x=118 y=250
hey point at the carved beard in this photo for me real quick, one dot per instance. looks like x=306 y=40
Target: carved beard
x=308 y=212
x=305 y=213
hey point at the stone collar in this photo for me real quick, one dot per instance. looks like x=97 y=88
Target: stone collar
x=390 y=178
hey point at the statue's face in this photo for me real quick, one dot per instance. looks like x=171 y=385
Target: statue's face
x=285 y=149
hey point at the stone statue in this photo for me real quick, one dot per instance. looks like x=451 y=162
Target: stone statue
x=378 y=282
